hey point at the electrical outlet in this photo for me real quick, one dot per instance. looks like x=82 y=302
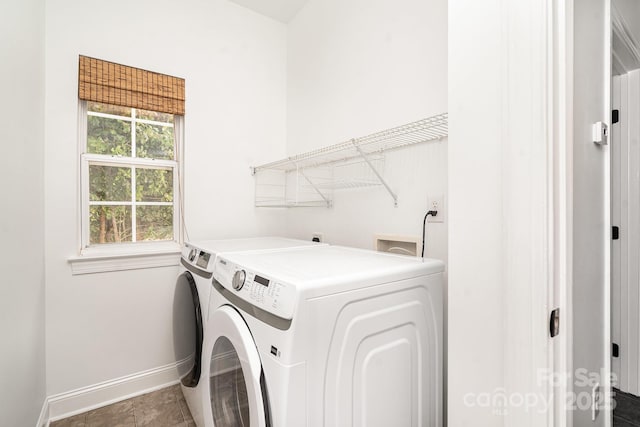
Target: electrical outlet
x=596 y=397
x=317 y=237
x=436 y=203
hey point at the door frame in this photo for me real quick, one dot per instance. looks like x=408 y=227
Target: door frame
x=561 y=116
x=607 y=411
x=561 y=120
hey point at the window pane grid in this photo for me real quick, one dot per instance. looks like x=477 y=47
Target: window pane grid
x=123 y=203
x=149 y=172
x=106 y=136
x=106 y=160
x=129 y=119
x=157 y=225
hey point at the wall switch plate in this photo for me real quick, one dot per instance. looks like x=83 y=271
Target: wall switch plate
x=317 y=237
x=596 y=397
x=436 y=203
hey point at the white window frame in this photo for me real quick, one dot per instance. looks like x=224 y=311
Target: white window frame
x=127 y=255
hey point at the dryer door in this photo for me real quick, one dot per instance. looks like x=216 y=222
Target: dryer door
x=236 y=380
x=187 y=330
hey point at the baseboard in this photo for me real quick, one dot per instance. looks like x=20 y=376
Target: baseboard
x=43 y=420
x=84 y=399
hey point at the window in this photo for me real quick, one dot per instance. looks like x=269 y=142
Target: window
x=130 y=140
x=130 y=175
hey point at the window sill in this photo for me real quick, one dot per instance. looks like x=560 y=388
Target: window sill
x=125 y=257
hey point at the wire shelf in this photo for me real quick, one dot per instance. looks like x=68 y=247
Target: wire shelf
x=341 y=184
x=429 y=129
x=308 y=179
x=290 y=204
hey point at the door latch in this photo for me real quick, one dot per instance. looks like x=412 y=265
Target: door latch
x=554 y=323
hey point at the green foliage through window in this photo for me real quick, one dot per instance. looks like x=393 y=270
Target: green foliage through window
x=129 y=201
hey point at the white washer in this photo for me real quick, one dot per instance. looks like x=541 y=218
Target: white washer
x=332 y=336
x=191 y=306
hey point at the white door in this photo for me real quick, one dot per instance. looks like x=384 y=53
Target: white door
x=238 y=394
x=626 y=215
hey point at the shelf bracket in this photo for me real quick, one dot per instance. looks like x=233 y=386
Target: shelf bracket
x=375 y=171
x=317 y=190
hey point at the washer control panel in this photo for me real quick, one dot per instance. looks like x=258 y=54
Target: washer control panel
x=260 y=290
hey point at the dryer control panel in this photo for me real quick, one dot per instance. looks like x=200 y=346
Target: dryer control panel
x=198 y=257
x=274 y=296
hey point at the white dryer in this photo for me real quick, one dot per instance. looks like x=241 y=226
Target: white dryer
x=191 y=305
x=332 y=336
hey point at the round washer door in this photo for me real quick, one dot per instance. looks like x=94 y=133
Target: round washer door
x=236 y=380
x=187 y=330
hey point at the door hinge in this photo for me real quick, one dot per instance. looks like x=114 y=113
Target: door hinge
x=615 y=350
x=615 y=232
x=554 y=323
x=615 y=116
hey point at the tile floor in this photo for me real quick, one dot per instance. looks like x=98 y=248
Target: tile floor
x=627 y=410
x=167 y=408
x=162 y=408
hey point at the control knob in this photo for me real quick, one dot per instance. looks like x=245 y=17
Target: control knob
x=238 y=280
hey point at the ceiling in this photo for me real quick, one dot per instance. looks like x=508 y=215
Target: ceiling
x=626 y=36
x=630 y=10
x=280 y=10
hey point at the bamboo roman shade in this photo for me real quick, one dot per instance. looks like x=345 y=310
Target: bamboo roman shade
x=111 y=83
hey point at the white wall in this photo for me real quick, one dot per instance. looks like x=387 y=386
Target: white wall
x=105 y=326
x=22 y=371
x=357 y=67
x=499 y=213
x=475 y=300
x=360 y=66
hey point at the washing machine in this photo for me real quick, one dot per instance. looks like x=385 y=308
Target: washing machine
x=333 y=336
x=191 y=305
